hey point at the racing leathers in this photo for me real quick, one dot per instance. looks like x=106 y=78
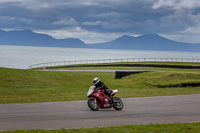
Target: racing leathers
x=101 y=86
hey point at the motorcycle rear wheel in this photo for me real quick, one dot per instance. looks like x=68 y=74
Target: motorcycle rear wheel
x=117 y=103
x=93 y=104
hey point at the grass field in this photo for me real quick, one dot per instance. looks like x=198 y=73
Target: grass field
x=152 y=128
x=27 y=86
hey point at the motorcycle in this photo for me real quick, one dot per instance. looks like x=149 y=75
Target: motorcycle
x=98 y=99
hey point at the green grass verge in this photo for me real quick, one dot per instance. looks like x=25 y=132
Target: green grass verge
x=143 y=63
x=130 y=68
x=28 y=86
x=105 y=67
x=153 y=128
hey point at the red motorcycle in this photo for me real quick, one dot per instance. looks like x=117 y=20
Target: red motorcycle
x=98 y=99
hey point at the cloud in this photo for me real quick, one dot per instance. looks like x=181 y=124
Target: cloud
x=183 y=16
x=118 y=25
x=192 y=30
x=84 y=35
x=93 y=23
x=99 y=17
x=177 y=4
x=7 y=1
x=70 y=21
x=108 y=15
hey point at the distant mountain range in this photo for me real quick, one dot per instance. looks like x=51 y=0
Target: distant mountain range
x=29 y=38
x=148 y=42
x=145 y=42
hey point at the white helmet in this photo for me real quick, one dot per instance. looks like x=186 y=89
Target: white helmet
x=96 y=80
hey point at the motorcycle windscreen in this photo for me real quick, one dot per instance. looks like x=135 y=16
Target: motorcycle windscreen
x=90 y=91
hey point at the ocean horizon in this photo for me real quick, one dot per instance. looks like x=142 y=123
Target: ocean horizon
x=21 y=57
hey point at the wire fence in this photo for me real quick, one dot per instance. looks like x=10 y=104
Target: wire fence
x=64 y=63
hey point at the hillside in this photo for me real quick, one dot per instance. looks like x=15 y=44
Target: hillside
x=148 y=42
x=29 y=38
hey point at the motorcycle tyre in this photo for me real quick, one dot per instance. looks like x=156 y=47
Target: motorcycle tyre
x=116 y=99
x=91 y=106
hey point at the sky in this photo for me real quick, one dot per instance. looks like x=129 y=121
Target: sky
x=96 y=21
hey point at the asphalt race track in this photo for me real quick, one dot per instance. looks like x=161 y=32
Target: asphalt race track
x=76 y=114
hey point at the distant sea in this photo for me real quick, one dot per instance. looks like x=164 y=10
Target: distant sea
x=21 y=57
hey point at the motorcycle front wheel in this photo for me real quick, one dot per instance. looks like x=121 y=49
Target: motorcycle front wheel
x=93 y=104
x=117 y=103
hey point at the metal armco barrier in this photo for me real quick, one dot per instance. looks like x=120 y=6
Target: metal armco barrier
x=63 y=63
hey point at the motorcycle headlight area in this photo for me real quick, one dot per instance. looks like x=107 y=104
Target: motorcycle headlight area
x=90 y=91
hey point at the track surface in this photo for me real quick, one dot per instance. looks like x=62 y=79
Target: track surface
x=76 y=114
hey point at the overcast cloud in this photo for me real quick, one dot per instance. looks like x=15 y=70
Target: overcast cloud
x=104 y=20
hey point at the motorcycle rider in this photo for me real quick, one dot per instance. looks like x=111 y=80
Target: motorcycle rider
x=101 y=86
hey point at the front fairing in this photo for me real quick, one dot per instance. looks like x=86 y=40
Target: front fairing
x=90 y=91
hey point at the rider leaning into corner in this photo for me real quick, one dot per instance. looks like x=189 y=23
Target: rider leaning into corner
x=101 y=86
